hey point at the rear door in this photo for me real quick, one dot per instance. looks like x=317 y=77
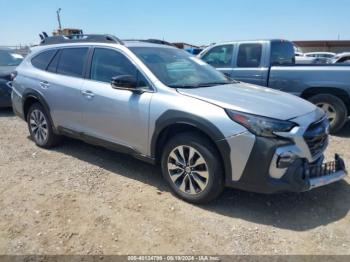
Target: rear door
x=61 y=85
x=248 y=66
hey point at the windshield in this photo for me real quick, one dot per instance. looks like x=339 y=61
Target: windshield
x=9 y=59
x=177 y=68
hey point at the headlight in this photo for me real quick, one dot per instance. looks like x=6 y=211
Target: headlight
x=259 y=125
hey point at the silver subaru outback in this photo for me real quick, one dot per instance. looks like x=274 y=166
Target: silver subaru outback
x=165 y=106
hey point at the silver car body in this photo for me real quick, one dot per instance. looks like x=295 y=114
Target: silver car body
x=134 y=121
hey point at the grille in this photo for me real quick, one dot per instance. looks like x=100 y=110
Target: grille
x=316 y=136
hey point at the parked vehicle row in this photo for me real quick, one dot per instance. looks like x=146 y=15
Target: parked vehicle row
x=165 y=106
x=302 y=59
x=322 y=58
x=328 y=55
x=271 y=63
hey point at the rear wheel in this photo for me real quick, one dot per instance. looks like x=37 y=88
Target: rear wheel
x=40 y=127
x=191 y=166
x=334 y=108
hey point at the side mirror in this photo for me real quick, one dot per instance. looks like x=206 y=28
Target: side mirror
x=126 y=82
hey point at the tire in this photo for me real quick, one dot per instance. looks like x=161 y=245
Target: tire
x=335 y=109
x=207 y=179
x=40 y=127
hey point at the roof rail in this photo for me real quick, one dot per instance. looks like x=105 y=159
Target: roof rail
x=61 y=39
x=153 y=41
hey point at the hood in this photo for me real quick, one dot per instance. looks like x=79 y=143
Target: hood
x=5 y=71
x=253 y=99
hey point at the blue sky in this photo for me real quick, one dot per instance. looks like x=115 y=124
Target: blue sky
x=198 y=22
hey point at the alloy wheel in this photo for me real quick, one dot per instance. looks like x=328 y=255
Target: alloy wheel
x=188 y=170
x=329 y=110
x=38 y=126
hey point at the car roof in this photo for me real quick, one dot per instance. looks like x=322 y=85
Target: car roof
x=250 y=41
x=135 y=43
x=128 y=44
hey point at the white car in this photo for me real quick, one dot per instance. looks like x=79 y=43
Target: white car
x=321 y=54
x=342 y=58
x=300 y=58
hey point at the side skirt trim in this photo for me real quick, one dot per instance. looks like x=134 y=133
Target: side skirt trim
x=106 y=144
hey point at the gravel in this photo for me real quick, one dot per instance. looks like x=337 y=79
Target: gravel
x=81 y=199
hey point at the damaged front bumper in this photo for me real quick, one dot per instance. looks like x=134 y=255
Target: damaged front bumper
x=302 y=176
x=320 y=175
x=276 y=166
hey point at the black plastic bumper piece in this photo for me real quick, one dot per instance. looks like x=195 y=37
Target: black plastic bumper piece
x=297 y=178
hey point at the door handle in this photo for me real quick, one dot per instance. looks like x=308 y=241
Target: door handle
x=44 y=85
x=87 y=93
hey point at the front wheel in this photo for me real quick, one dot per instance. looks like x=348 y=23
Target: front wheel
x=334 y=108
x=192 y=168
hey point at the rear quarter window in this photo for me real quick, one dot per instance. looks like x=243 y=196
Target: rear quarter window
x=282 y=53
x=42 y=60
x=72 y=61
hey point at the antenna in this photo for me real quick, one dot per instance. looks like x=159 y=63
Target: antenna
x=59 y=19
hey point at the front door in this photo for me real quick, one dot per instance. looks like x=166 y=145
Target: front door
x=221 y=57
x=115 y=115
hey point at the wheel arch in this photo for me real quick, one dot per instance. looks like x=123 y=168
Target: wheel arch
x=175 y=122
x=338 y=92
x=32 y=96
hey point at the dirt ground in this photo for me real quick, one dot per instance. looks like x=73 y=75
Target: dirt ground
x=81 y=199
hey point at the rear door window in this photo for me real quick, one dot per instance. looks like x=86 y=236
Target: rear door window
x=249 y=55
x=219 y=56
x=42 y=60
x=72 y=61
x=282 y=53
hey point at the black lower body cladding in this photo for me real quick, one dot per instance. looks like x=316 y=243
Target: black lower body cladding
x=256 y=175
x=297 y=177
x=173 y=118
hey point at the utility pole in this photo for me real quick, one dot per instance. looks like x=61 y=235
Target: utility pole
x=59 y=19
